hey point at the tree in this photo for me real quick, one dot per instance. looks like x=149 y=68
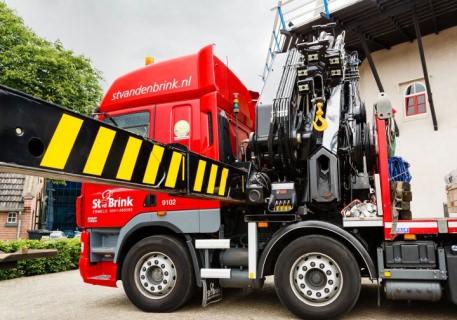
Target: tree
x=43 y=69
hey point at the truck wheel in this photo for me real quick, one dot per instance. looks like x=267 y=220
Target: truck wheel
x=316 y=277
x=157 y=274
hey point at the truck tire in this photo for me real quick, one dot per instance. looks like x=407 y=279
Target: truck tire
x=316 y=277
x=158 y=275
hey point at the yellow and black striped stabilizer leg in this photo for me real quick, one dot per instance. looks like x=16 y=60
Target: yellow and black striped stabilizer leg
x=40 y=138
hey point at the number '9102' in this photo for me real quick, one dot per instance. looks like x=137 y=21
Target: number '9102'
x=169 y=202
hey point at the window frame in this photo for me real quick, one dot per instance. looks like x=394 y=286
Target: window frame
x=9 y=222
x=415 y=98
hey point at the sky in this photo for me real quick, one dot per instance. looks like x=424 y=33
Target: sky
x=117 y=35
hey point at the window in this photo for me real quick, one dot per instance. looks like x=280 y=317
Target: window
x=135 y=122
x=415 y=100
x=11 y=219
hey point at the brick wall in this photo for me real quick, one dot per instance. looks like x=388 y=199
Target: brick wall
x=6 y=233
x=26 y=218
x=24 y=221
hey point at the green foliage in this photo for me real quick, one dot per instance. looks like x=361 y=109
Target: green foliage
x=44 y=69
x=67 y=257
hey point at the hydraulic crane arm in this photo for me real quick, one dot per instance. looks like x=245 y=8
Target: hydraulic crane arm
x=40 y=138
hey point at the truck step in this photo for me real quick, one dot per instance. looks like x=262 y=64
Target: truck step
x=212 y=244
x=102 y=250
x=207 y=273
x=101 y=277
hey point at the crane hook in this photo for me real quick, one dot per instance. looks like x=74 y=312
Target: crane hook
x=319 y=123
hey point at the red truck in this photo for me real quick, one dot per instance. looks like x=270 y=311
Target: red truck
x=193 y=181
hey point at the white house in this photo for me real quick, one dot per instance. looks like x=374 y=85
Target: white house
x=431 y=153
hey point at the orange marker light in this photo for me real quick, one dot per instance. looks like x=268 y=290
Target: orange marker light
x=262 y=224
x=149 y=60
x=410 y=236
x=162 y=213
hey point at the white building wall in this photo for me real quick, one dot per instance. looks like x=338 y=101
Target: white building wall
x=431 y=154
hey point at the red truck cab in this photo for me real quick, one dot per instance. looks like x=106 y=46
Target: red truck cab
x=186 y=101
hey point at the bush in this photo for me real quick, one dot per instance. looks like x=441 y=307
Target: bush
x=67 y=258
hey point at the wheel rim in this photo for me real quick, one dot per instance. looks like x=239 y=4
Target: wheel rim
x=316 y=279
x=155 y=275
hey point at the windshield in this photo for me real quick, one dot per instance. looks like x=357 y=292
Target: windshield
x=135 y=122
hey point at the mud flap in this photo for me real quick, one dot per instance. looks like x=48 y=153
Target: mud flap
x=212 y=291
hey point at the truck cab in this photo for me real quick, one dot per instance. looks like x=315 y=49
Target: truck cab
x=188 y=102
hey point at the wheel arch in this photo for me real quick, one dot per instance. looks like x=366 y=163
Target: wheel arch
x=271 y=252
x=147 y=229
